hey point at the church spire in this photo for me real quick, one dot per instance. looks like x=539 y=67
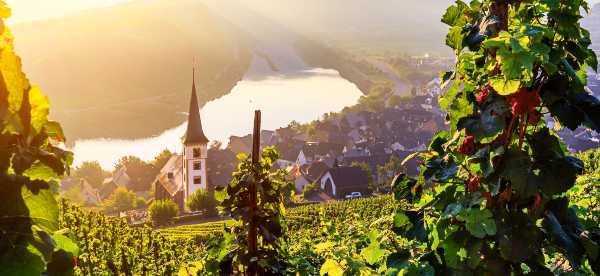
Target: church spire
x=194 y=133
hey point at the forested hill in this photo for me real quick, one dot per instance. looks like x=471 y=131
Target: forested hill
x=107 y=70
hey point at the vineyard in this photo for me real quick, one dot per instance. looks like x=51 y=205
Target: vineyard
x=109 y=246
x=497 y=194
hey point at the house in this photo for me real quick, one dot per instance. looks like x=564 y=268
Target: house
x=89 y=194
x=267 y=138
x=169 y=182
x=340 y=181
x=185 y=174
x=313 y=151
x=119 y=179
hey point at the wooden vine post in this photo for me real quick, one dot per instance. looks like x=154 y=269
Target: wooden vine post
x=252 y=232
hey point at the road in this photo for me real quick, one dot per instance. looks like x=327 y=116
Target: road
x=400 y=88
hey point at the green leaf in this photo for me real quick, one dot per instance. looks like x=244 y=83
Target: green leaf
x=331 y=268
x=22 y=260
x=400 y=219
x=518 y=236
x=449 y=97
x=66 y=244
x=454 y=15
x=478 y=222
x=490 y=122
x=373 y=253
x=39 y=171
x=505 y=87
x=516 y=169
x=40 y=108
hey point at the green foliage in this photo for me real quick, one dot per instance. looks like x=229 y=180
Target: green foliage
x=367 y=170
x=91 y=172
x=311 y=189
x=141 y=173
x=232 y=254
x=490 y=198
x=162 y=212
x=161 y=159
x=120 y=200
x=202 y=200
x=108 y=246
x=31 y=163
x=387 y=172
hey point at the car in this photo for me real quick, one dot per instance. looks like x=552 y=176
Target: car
x=353 y=195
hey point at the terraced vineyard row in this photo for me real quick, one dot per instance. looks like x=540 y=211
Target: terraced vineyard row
x=303 y=217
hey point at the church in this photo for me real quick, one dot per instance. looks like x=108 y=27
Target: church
x=185 y=173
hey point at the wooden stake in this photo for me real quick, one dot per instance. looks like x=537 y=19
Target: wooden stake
x=252 y=232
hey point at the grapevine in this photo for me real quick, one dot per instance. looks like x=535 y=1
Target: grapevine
x=490 y=196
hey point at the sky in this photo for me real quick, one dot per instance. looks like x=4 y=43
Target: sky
x=28 y=10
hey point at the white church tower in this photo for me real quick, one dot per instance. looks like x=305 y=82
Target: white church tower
x=195 y=149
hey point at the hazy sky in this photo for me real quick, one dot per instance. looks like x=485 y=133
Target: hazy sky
x=26 y=10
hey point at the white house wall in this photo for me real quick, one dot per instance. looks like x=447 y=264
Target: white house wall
x=324 y=181
x=190 y=173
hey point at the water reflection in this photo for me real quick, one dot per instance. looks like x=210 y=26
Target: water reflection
x=302 y=97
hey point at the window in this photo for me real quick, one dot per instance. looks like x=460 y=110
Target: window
x=170 y=175
x=197 y=180
x=196 y=152
x=197 y=166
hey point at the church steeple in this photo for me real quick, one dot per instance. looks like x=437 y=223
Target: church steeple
x=194 y=133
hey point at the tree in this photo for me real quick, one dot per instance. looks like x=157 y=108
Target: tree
x=368 y=172
x=92 y=172
x=204 y=201
x=490 y=195
x=387 y=172
x=141 y=173
x=31 y=162
x=162 y=212
x=120 y=200
x=160 y=160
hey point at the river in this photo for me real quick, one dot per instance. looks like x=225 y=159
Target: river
x=302 y=96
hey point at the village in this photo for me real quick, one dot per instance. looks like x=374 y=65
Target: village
x=354 y=153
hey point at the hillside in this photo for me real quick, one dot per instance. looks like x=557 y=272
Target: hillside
x=362 y=24
x=108 y=70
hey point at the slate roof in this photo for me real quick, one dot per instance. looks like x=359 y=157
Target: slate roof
x=348 y=177
x=194 y=133
x=314 y=171
x=173 y=168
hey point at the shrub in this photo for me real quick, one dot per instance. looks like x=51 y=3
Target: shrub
x=311 y=189
x=140 y=202
x=162 y=212
x=202 y=200
x=120 y=200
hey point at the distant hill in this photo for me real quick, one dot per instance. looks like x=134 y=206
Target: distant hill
x=126 y=71
x=406 y=25
x=592 y=23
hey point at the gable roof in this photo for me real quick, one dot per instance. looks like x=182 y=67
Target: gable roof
x=348 y=177
x=194 y=133
x=120 y=178
x=314 y=171
x=173 y=168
